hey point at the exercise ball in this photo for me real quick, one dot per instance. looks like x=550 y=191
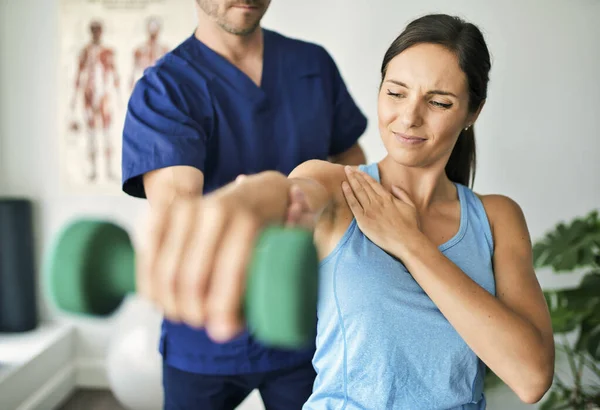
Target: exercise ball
x=133 y=362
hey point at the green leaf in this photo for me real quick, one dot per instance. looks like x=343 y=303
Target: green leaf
x=589 y=325
x=568 y=309
x=491 y=380
x=593 y=344
x=570 y=246
x=553 y=402
x=591 y=283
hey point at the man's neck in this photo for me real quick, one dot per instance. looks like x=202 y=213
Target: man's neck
x=233 y=47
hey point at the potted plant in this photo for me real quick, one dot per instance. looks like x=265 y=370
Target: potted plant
x=575 y=312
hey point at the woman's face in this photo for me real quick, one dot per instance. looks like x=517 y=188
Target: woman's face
x=423 y=105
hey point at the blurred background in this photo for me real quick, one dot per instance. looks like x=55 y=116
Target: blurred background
x=538 y=142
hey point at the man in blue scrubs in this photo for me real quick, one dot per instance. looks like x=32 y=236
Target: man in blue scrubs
x=233 y=99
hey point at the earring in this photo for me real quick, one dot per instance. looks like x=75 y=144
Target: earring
x=468 y=126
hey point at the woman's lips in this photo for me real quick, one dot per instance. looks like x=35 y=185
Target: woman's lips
x=409 y=139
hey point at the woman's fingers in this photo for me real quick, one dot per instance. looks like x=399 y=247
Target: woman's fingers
x=377 y=188
x=359 y=186
x=353 y=203
x=402 y=195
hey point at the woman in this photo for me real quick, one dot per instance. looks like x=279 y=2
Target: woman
x=422 y=280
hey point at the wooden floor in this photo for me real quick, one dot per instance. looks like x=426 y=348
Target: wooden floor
x=91 y=400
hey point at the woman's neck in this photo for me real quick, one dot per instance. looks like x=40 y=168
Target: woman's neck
x=425 y=186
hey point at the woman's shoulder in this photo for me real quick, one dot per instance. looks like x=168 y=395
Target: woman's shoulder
x=497 y=203
x=502 y=211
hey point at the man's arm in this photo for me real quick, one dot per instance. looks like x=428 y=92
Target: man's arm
x=165 y=185
x=352 y=156
x=349 y=122
x=197 y=251
x=164 y=147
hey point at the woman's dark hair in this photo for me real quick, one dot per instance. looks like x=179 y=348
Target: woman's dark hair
x=467 y=42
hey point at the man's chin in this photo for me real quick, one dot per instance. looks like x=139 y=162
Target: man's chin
x=240 y=30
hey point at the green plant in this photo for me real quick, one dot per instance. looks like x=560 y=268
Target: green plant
x=574 y=311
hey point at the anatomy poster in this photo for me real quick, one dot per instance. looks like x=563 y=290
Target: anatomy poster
x=105 y=45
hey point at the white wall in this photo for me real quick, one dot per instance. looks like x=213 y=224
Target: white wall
x=538 y=136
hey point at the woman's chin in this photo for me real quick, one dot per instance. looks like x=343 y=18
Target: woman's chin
x=404 y=158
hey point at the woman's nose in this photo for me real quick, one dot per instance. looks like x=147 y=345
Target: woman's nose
x=411 y=115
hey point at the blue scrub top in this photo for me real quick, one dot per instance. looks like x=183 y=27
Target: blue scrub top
x=195 y=108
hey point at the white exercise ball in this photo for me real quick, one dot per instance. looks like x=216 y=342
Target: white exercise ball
x=133 y=362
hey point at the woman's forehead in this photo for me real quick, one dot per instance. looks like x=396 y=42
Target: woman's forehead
x=427 y=65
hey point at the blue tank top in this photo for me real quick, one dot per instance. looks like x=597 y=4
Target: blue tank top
x=382 y=343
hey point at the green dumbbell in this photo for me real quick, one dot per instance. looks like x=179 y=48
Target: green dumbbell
x=90 y=269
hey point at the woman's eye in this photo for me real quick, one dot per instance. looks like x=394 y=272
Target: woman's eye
x=395 y=95
x=441 y=105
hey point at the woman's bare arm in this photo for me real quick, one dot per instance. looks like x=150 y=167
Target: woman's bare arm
x=512 y=332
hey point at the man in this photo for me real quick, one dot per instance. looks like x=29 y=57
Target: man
x=232 y=99
x=96 y=74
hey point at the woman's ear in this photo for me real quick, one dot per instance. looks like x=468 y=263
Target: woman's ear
x=471 y=118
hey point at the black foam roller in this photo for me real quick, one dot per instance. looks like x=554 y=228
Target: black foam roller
x=18 y=305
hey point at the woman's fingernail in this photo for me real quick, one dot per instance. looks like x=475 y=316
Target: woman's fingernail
x=348 y=168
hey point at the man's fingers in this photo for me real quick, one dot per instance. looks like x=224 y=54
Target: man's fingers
x=169 y=261
x=294 y=215
x=198 y=264
x=228 y=282
x=299 y=213
x=149 y=248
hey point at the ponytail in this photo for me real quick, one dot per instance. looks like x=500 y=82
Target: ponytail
x=461 y=165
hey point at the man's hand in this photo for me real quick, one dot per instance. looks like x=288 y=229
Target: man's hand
x=194 y=264
x=299 y=213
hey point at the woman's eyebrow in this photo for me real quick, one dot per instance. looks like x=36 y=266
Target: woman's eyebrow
x=438 y=92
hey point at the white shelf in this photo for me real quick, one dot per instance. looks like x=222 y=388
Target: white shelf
x=36 y=366
x=18 y=348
